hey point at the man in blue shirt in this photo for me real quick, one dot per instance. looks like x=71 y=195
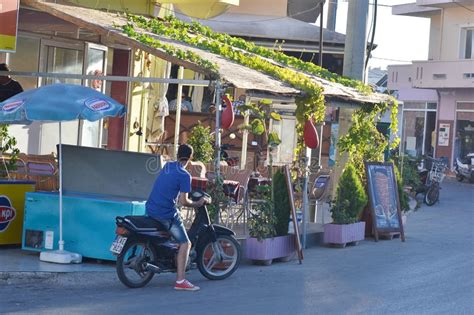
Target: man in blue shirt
x=172 y=186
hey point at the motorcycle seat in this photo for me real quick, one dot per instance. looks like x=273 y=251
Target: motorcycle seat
x=144 y=223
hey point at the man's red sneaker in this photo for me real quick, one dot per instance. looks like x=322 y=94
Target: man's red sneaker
x=186 y=286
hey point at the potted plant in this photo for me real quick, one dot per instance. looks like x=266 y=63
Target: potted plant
x=269 y=238
x=347 y=206
x=201 y=140
x=7 y=146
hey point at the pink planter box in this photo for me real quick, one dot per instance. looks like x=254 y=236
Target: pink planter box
x=344 y=233
x=269 y=248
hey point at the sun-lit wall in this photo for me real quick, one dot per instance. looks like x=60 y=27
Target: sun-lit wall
x=454 y=19
x=133 y=6
x=261 y=7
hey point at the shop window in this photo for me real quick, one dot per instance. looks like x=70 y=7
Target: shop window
x=464 y=137
x=418 y=129
x=286 y=129
x=467 y=40
x=64 y=60
x=413 y=125
x=432 y=106
x=420 y=106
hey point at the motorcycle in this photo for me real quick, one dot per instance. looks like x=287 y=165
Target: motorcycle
x=464 y=168
x=431 y=177
x=144 y=248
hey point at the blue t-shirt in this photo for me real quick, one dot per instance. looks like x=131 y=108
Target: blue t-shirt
x=172 y=180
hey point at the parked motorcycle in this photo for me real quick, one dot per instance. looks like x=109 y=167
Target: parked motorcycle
x=143 y=248
x=464 y=168
x=431 y=172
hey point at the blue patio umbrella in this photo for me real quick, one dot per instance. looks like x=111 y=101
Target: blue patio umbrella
x=57 y=103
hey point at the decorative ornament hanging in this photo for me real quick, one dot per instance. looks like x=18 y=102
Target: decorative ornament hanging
x=227 y=118
x=310 y=135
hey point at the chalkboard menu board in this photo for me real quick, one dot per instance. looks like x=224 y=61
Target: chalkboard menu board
x=384 y=199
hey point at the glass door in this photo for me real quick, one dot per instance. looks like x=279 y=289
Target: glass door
x=90 y=132
x=419 y=129
x=59 y=57
x=464 y=136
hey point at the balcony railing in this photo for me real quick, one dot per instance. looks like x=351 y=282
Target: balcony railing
x=432 y=75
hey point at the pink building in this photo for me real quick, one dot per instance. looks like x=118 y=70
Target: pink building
x=438 y=94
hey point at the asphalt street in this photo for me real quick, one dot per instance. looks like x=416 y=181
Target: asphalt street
x=431 y=273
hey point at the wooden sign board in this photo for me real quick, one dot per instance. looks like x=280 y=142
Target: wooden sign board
x=384 y=199
x=293 y=214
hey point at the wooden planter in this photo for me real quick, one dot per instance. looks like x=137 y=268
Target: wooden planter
x=270 y=248
x=343 y=234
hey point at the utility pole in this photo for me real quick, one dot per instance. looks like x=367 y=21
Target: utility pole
x=321 y=20
x=354 y=58
x=332 y=13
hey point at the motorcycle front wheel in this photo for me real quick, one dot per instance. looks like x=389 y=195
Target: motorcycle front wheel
x=218 y=260
x=432 y=195
x=131 y=264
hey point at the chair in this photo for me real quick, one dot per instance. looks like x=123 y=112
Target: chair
x=43 y=170
x=237 y=209
x=19 y=171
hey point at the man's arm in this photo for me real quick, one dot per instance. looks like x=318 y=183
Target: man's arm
x=185 y=201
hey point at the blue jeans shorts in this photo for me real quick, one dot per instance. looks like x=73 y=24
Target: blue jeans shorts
x=176 y=228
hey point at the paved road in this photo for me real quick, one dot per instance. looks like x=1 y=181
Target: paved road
x=431 y=273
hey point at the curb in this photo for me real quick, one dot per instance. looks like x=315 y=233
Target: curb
x=58 y=278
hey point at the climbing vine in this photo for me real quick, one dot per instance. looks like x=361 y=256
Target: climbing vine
x=275 y=64
x=363 y=142
x=311 y=104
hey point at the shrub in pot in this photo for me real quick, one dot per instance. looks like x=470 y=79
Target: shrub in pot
x=201 y=140
x=347 y=206
x=268 y=227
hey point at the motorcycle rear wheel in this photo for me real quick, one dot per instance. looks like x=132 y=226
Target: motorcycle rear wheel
x=214 y=269
x=459 y=177
x=131 y=264
x=432 y=195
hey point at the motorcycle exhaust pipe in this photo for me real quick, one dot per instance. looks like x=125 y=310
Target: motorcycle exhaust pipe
x=153 y=268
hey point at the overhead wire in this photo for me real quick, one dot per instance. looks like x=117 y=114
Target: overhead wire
x=373 y=27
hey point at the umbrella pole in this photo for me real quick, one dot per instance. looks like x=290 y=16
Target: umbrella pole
x=60 y=256
x=61 y=241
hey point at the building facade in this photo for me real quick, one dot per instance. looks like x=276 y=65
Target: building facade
x=438 y=93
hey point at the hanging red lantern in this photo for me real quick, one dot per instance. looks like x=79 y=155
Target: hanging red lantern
x=310 y=135
x=227 y=118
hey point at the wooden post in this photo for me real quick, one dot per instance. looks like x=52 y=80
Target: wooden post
x=293 y=214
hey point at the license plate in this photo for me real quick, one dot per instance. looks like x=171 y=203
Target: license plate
x=118 y=244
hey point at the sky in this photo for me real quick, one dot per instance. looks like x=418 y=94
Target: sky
x=399 y=39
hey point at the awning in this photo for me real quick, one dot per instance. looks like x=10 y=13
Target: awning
x=105 y=24
x=268 y=27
